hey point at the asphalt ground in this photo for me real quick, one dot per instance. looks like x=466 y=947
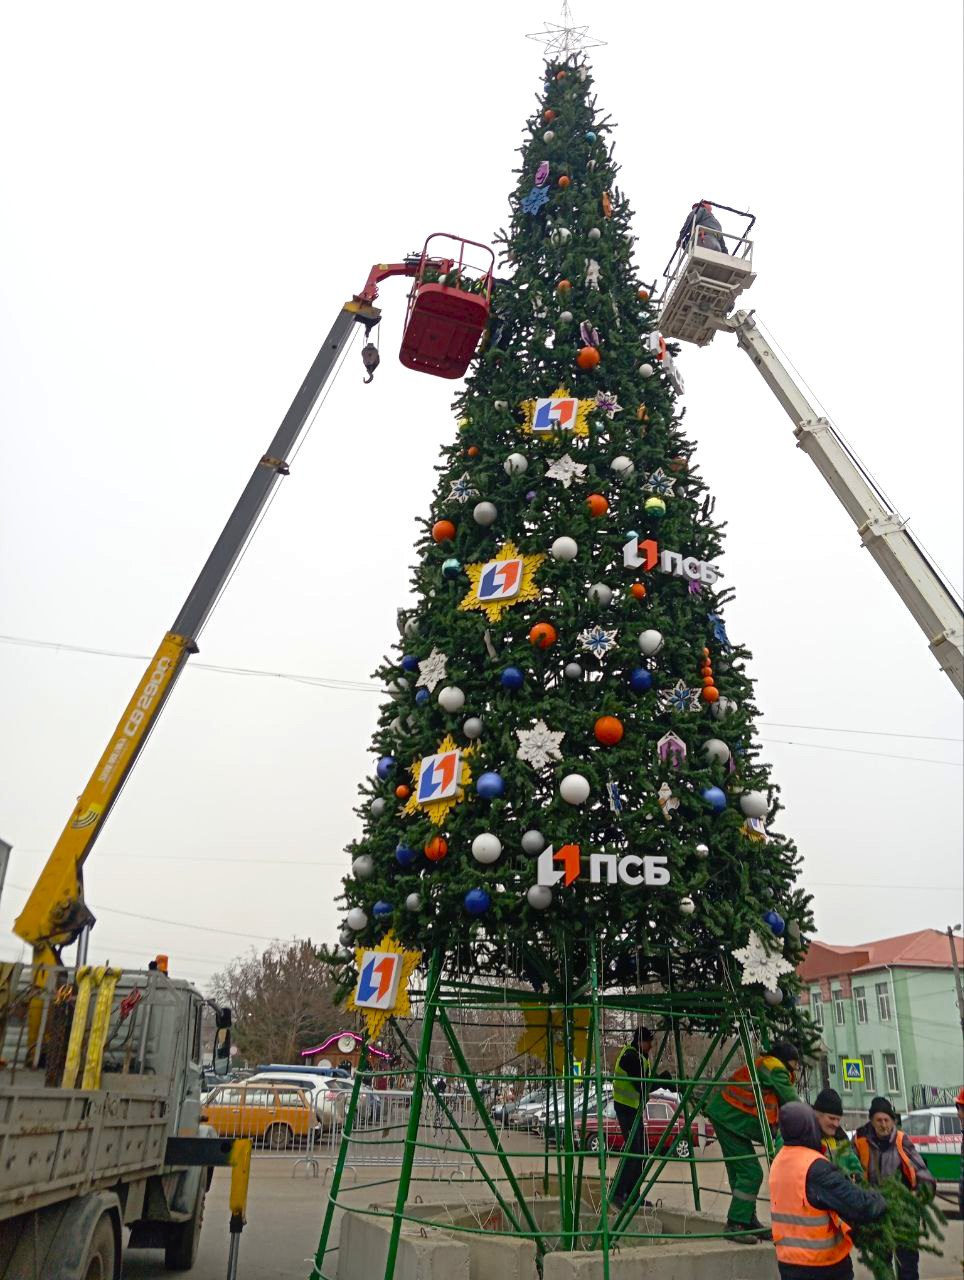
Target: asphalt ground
x=285 y=1211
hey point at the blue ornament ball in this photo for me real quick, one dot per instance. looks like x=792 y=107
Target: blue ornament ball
x=476 y=901
x=385 y=766
x=451 y=568
x=590 y=136
x=512 y=678
x=490 y=785
x=404 y=856
x=775 y=921
x=421 y=697
x=382 y=908
x=409 y=663
x=640 y=680
x=715 y=798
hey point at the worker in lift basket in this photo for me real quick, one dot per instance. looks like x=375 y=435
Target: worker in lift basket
x=739 y=1125
x=812 y=1204
x=702 y=220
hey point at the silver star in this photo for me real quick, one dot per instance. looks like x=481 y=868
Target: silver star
x=539 y=745
x=566 y=470
x=562 y=39
x=432 y=670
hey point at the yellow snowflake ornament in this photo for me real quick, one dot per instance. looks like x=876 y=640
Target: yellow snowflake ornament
x=381 y=991
x=500 y=583
x=439 y=781
x=558 y=414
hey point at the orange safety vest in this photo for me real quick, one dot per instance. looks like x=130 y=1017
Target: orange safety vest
x=804 y=1236
x=739 y=1094
x=862 y=1147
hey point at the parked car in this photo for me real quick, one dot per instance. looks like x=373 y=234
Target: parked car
x=936 y=1132
x=278 y=1116
x=528 y=1109
x=659 y=1110
x=329 y=1093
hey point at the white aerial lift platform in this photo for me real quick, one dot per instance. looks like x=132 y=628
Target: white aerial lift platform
x=697 y=303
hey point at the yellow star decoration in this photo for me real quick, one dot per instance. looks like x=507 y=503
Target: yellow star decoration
x=438 y=810
x=579 y=428
x=535 y=1039
x=375 y=1019
x=494 y=609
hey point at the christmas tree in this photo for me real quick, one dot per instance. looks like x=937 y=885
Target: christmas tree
x=567 y=759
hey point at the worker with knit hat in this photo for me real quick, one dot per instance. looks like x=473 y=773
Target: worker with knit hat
x=736 y=1118
x=885 y=1151
x=836 y=1145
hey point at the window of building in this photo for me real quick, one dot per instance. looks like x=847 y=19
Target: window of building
x=816 y=1005
x=870 y=1076
x=860 y=1003
x=839 y=1012
x=890 y=1069
x=883 y=1001
x=845 y=1084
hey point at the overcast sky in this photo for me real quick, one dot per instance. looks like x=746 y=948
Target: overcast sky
x=192 y=191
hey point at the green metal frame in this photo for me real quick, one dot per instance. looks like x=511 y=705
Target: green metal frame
x=580 y=1179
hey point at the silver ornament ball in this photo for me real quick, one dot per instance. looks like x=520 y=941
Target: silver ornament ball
x=356 y=920
x=773 y=997
x=564 y=549
x=533 y=842
x=565 y=317
x=539 y=896
x=363 y=867
x=451 y=698
x=485 y=513
x=687 y=906
x=702 y=850
x=647 y=370
x=572 y=671
x=716 y=751
x=594 y=233
x=600 y=593
x=486 y=848
x=377 y=807
x=622 y=466
x=650 y=643
x=413 y=902
x=515 y=464
x=755 y=804
x=501 y=405
x=472 y=727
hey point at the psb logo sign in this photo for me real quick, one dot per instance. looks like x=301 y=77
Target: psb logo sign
x=499 y=580
x=557 y=413
x=378 y=979
x=564 y=864
x=438 y=776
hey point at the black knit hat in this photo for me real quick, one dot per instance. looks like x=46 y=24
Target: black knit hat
x=828 y=1101
x=882 y=1104
x=642 y=1034
x=786 y=1051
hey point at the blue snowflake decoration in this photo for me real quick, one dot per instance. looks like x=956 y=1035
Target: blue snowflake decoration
x=719 y=630
x=534 y=201
x=680 y=698
x=597 y=641
x=659 y=483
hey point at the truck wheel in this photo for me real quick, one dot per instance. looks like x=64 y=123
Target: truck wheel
x=278 y=1137
x=180 y=1249
x=101 y=1256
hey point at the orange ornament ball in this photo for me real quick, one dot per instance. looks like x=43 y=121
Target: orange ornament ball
x=402 y=792
x=608 y=730
x=597 y=504
x=443 y=531
x=708 y=682
x=706 y=653
x=587 y=358
x=436 y=849
x=711 y=694
x=643 y=295
x=560 y=75
x=638 y=590
x=563 y=286
x=543 y=635
x=564 y=180
x=549 y=115
x=473 y=451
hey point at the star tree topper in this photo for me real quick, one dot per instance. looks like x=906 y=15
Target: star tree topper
x=498 y=584
x=760 y=965
x=375 y=1019
x=563 y=39
x=539 y=745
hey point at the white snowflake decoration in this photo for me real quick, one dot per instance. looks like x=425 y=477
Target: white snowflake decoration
x=760 y=965
x=461 y=489
x=566 y=470
x=432 y=670
x=607 y=403
x=680 y=698
x=660 y=483
x=539 y=745
x=597 y=640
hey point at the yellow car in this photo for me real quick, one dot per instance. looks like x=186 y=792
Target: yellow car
x=277 y=1116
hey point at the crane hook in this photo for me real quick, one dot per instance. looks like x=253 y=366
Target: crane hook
x=370 y=359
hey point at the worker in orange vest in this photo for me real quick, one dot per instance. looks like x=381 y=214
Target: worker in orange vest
x=738 y=1126
x=884 y=1150
x=812 y=1204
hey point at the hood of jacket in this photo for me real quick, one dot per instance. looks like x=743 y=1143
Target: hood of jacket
x=798 y=1126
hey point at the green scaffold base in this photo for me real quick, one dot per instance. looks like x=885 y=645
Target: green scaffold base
x=437 y=1129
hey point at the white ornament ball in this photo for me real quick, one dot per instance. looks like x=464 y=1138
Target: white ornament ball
x=650 y=643
x=755 y=804
x=472 y=727
x=591 y=165
x=724 y=707
x=565 y=317
x=485 y=513
x=398 y=688
x=377 y=807
x=600 y=593
x=515 y=464
x=594 y=233
x=411 y=628
x=486 y=848
x=646 y=370
x=548 y=136
x=560 y=235
x=363 y=867
x=716 y=752
x=356 y=919
x=622 y=467
x=564 y=549
x=572 y=671
x=396 y=726
x=533 y=842
x=574 y=788
x=687 y=906
x=413 y=902
x=451 y=698
x=539 y=896
x=702 y=850
x=773 y=997
x=501 y=405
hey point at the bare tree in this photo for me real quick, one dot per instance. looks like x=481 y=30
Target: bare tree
x=282 y=1001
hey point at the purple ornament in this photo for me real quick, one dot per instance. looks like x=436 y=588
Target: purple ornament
x=694 y=587
x=531 y=496
x=589 y=335
x=542 y=174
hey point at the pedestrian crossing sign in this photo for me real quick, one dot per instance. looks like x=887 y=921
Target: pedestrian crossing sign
x=853 y=1070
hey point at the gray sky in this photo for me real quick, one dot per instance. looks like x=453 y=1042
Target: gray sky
x=193 y=191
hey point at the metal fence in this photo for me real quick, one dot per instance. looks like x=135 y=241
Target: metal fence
x=380 y=1126
x=282 y=1123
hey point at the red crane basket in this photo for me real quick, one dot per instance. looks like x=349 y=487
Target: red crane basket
x=445 y=321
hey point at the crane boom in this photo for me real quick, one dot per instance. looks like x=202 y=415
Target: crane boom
x=883 y=532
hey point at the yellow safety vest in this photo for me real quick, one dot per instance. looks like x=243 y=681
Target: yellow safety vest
x=626 y=1088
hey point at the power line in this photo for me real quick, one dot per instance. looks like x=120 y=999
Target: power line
x=856 y=751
